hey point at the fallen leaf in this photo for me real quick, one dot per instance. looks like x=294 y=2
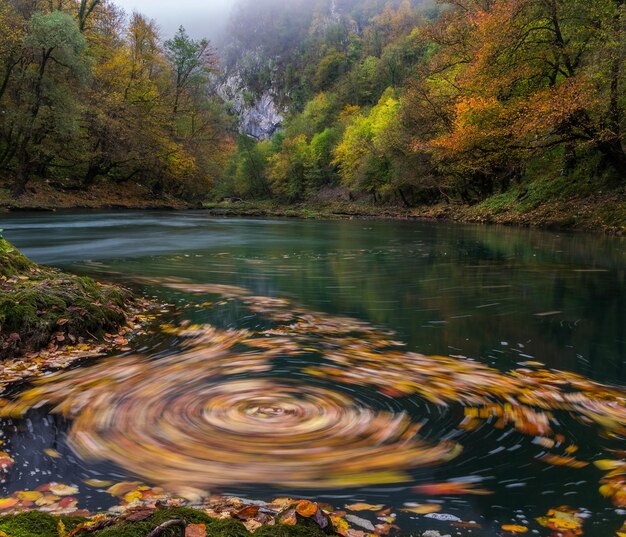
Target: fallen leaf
x=247 y=512
x=514 y=528
x=558 y=460
x=97 y=483
x=608 y=464
x=289 y=518
x=63 y=490
x=52 y=453
x=364 y=507
x=195 y=530
x=306 y=508
x=120 y=489
x=423 y=509
x=29 y=495
x=8 y=503
x=340 y=525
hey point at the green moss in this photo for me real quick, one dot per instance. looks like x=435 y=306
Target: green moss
x=12 y=261
x=215 y=528
x=282 y=530
x=36 y=524
x=37 y=302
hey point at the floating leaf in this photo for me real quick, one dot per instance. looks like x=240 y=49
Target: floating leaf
x=63 y=490
x=120 y=489
x=8 y=503
x=423 y=509
x=558 y=460
x=97 y=483
x=608 y=464
x=514 y=528
x=29 y=495
x=364 y=507
x=452 y=488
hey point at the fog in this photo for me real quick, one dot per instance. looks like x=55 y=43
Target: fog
x=201 y=18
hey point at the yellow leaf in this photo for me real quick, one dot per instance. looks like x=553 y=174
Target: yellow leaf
x=29 y=495
x=133 y=496
x=340 y=525
x=97 y=483
x=52 y=453
x=608 y=464
x=120 y=489
x=423 y=509
x=514 y=528
x=364 y=507
x=8 y=503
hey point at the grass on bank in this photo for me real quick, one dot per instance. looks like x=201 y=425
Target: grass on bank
x=41 y=304
x=38 y=524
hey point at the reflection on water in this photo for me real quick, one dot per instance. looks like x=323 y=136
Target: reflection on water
x=323 y=342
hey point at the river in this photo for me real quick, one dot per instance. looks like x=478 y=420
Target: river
x=353 y=315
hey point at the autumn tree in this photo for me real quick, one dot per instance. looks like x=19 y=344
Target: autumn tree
x=192 y=62
x=41 y=111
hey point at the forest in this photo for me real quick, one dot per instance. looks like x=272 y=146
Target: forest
x=406 y=102
x=180 y=359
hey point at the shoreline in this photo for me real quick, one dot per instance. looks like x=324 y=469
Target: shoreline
x=597 y=213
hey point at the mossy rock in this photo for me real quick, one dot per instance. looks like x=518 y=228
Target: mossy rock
x=37 y=302
x=36 y=524
x=12 y=262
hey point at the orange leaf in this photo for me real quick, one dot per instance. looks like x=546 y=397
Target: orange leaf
x=306 y=508
x=514 y=528
x=247 y=512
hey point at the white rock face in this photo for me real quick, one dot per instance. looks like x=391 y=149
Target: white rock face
x=260 y=119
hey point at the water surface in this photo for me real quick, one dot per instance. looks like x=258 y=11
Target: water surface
x=496 y=296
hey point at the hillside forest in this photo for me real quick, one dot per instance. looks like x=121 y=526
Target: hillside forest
x=402 y=102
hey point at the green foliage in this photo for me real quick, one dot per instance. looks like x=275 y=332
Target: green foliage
x=364 y=154
x=85 y=95
x=418 y=102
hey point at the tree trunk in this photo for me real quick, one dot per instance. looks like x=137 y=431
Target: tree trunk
x=615 y=155
x=569 y=159
x=403 y=197
x=23 y=170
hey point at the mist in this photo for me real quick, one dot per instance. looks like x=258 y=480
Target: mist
x=201 y=18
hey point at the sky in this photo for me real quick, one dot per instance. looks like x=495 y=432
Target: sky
x=201 y=18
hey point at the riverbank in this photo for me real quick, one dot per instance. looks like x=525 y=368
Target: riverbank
x=605 y=213
x=230 y=517
x=56 y=195
x=50 y=319
x=526 y=206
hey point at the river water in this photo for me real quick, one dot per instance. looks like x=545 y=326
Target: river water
x=335 y=390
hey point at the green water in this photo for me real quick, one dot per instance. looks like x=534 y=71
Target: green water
x=496 y=295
